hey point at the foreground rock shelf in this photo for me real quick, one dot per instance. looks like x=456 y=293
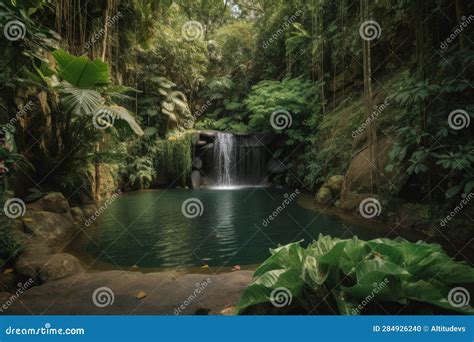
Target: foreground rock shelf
x=134 y=293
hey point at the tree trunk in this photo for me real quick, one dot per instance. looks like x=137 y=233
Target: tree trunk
x=368 y=101
x=106 y=30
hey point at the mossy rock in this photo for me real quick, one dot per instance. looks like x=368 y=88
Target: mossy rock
x=324 y=196
x=335 y=183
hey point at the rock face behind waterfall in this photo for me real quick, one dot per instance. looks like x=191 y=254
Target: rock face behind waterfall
x=232 y=159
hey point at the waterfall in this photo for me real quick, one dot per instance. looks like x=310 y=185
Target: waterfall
x=238 y=160
x=224 y=159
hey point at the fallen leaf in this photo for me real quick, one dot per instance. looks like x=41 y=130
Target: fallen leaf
x=141 y=295
x=236 y=268
x=230 y=311
x=8 y=270
x=27 y=219
x=205 y=266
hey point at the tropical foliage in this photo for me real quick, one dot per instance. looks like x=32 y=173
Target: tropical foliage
x=333 y=276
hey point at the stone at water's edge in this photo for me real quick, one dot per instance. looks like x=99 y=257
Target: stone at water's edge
x=78 y=215
x=324 y=196
x=53 y=202
x=51 y=227
x=47 y=268
x=335 y=183
x=167 y=294
x=358 y=175
x=196 y=179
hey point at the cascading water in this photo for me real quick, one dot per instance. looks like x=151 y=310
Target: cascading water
x=238 y=160
x=224 y=159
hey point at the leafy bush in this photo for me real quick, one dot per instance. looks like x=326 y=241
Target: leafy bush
x=294 y=95
x=342 y=274
x=174 y=157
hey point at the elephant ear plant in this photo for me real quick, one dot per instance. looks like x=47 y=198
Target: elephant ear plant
x=354 y=277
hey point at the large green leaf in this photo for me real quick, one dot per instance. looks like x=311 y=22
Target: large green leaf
x=81 y=72
x=120 y=115
x=346 y=273
x=80 y=101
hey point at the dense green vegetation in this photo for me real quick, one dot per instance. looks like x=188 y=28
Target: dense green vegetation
x=333 y=276
x=110 y=93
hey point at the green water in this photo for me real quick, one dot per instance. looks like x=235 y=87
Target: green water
x=148 y=229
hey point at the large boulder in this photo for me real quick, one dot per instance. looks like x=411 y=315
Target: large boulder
x=51 y=227
x=358 y=176
x=47 y=268
x=54 y=202
x=350 y=201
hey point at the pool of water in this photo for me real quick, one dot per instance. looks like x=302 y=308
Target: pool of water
x=232 y=227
